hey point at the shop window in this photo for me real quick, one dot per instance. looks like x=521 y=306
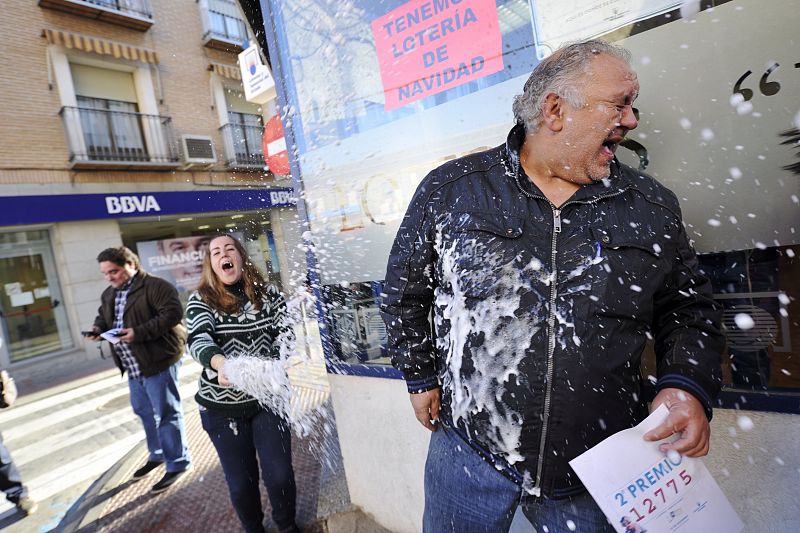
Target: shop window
x=757 y=290
x=342 y=87
x=358 y=334
x=32 y=312
x=719 y=138
x=173 y=248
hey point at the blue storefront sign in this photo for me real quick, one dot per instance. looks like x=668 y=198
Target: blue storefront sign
x=58 y=208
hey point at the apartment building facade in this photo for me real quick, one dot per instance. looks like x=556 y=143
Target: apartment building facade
x=124 y=122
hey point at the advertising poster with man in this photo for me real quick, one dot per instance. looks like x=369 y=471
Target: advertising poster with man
x=178 y=260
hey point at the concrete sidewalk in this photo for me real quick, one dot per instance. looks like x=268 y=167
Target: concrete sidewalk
x=199 y=502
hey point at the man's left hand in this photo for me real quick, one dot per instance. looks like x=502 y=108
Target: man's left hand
x=687 y=418
x=126 y=335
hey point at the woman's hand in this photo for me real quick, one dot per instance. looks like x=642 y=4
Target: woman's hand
x=218 y=364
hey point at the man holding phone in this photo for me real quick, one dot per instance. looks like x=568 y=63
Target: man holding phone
x=145 y=313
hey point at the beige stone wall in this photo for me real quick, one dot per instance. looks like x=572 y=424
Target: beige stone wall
x=34 y=149
x=79 y=275
x=29 y=124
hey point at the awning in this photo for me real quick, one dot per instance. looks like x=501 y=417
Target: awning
x=96 y=45
x=226 y=71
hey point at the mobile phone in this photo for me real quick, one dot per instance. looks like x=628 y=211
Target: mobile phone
x=88 y=333
x=118 y=334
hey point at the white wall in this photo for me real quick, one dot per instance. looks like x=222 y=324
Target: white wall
x=76 y=245
x=286 y=230
x=758 y=469
x=384 y=449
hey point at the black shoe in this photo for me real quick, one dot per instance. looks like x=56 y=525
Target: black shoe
x=148 y=467
x=167 y=481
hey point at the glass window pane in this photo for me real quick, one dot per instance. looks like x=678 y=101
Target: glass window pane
x=33 y=316
x=235 y=29
x=368 y=130
x=217 y=23
x=755 y=288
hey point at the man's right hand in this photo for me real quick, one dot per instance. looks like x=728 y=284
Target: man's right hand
x=426 y=407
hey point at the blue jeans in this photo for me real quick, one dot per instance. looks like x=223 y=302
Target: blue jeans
x=10 y=480
x=156 y=401
x=465 y=494
x=243 y=443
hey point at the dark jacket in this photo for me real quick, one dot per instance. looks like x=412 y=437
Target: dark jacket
x=154 y=311
x=541 y=314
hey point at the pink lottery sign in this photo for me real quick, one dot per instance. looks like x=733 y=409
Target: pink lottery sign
x=428 y=46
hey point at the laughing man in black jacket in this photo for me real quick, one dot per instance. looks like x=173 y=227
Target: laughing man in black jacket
x=547 y=265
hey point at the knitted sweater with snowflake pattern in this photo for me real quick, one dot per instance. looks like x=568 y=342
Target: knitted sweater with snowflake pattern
x=251 y=331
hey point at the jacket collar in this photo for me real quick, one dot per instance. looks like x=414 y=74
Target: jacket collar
x=138 y=279
x=619 y=180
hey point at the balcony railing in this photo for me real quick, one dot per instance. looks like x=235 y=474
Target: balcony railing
x=243 y=145
x=102 y=138
x=223 y=26
x=136 y=14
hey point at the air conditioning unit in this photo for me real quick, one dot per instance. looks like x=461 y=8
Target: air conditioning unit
x=198 y=150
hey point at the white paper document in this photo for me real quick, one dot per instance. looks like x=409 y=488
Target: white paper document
x=640 y=489
x=111 y=336
x=21 y=299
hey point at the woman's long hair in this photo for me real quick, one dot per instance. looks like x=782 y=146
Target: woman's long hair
x=213 y=291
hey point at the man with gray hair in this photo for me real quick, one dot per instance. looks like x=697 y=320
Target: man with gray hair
x=547 y=265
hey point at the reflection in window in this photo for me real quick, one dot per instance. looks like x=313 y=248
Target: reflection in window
x=358 y=334
x=336 y=77
x=757 y=289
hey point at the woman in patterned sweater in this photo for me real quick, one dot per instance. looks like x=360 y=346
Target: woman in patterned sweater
x=234 y=313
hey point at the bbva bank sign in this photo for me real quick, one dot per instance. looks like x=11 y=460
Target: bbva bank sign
x=131 y=204
x=47 y=208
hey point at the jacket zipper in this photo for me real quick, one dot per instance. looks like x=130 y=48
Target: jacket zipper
x=551 y=320
x=551 y=346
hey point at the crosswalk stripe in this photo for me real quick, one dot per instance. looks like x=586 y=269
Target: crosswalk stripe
x=60 y=416
x=82 y=432
x=305 y=399
x=73 y=435
x=86 y=468
x=53 y=401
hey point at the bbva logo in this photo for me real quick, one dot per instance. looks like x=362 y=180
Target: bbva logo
x=280 y=197
x=131 y=204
